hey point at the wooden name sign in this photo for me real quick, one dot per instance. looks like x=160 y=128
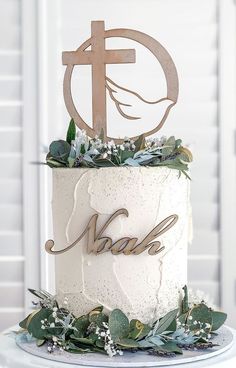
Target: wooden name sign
x=98 y=243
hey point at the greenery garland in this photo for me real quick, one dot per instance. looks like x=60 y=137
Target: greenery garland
x=78 y=150
x=187 y=327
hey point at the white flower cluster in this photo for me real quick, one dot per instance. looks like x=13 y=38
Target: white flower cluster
x=92 y=147
x=109 y=345
x=61 y=320
x=127 y=145
x=155 y=142
x=198 y=296
x=200 y=327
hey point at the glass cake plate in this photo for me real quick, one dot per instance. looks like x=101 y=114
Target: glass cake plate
x=225 y=339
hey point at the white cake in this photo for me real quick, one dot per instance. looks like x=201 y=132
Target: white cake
x=144 y=286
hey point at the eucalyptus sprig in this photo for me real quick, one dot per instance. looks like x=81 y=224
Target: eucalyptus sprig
x=187 y=327
x=78 y=150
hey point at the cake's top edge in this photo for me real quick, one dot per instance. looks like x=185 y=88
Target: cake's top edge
x=80 y=151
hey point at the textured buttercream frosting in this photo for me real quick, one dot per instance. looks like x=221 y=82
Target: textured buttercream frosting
x=143 y=286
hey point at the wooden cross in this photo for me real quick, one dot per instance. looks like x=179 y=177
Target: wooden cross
x=98 y=57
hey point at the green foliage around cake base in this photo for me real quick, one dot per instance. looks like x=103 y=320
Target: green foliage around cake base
x=188 y=327
x=78 y=150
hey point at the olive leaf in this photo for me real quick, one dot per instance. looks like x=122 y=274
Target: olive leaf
x=139 y=143
x=163 y=324
x=71 y=132
x=184 y=304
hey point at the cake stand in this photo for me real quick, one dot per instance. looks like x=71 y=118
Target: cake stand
x=11 y=356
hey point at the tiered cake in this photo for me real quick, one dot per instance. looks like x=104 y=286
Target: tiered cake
x=144 y=286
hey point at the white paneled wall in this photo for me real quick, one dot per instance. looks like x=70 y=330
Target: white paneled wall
x=11 y=247
x=189 y=30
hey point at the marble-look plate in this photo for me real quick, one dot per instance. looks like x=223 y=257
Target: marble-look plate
x=224 y=338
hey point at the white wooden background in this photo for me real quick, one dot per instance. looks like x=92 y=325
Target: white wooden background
x=191 y=30
x=11 y=227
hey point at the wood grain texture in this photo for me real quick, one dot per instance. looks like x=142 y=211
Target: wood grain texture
x=98 y=57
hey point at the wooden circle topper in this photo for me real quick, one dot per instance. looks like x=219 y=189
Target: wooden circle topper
x=98 y=57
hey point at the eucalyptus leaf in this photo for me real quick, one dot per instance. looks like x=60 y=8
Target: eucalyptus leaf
x=60 y=150
x=171 y=347
x=127 y=343
x=81 y=324
x=138 y=330
x=34 y=327
x=40 y=342
x=169 y=146
x=103 y=162
x=82 y=340
x=218 y=319
x=156 y=340
x=124 y=155
x=131 y=162
x=118 y=324
x=99 y=319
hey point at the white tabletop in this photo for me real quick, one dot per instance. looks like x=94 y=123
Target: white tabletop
x=12 y=356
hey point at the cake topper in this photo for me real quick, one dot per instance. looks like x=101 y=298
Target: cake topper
x=98 y=57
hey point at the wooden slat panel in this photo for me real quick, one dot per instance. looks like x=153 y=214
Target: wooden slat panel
x=12 y=167
x=11 y=271
x=12 y=295
x=10 y=12
x=205 y=242
x=199 y=89
x=10 y=89
x=189 y=119
x=11 y=248
x=198 y=65
x=10 y=64
x=10 y=318
x=10 y=116
x=10 y=40
x=11 y=243
x=205 y=190
x=10 y=142
x=202 y=269
x=181 y=12
x=205 y=217
x=11 y=218
x=205 y=167
x=10 y=191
